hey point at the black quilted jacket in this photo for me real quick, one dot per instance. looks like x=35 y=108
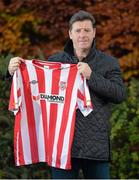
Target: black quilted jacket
x=91 y=138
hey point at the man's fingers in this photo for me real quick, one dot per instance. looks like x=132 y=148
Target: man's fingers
x=84 y=69
x=80 y=64
x=16 y=60
x=14 y=64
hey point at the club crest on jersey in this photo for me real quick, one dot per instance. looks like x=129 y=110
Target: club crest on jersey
x=62 y=85
x=36 y=98
x=33 y=82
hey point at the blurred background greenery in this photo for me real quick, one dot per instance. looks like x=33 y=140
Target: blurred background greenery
x=40 y=28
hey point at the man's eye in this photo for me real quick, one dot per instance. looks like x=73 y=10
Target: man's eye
x=87 y=30
x=78 y=30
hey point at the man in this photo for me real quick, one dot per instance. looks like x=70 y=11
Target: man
x=91 y=144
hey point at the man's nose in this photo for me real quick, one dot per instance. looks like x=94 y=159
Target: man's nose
x=82 y=33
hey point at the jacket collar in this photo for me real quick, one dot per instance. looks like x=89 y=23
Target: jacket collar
x=69 y=49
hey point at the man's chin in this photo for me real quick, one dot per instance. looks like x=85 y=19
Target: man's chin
x=83 y=47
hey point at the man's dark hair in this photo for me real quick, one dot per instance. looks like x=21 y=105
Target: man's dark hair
x=81 y=16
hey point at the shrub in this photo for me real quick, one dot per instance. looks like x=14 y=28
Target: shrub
x=125 y=135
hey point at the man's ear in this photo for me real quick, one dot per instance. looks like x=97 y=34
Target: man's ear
x=70 y=34
x=94 y=34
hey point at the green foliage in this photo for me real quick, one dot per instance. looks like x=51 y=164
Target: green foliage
x=125 y=135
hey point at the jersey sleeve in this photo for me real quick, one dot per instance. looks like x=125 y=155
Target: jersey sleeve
x=15 y=94
x=83 y=98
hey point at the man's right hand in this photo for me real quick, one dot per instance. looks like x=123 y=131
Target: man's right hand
x=14 y=64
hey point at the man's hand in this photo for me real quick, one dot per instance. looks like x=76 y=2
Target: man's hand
x=14 y=64
x=84 y=69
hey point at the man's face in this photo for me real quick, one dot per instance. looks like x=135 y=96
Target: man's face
x=82 y=35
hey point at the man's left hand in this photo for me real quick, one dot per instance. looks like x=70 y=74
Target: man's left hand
x=84 y=69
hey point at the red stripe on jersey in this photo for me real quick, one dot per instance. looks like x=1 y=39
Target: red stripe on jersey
x=30 y=114
x=18 y=147
x=80 y=95
x=71 y=79
x=53 y=113
x=12 y=102
x=18 y=93
x=42 y=87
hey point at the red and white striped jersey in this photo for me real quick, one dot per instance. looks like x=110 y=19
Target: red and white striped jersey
x=44 y=97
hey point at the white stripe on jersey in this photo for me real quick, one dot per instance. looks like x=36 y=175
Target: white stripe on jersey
x=15 y=93
x=48 y=90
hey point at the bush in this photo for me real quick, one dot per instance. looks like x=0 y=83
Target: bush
x=125 y=135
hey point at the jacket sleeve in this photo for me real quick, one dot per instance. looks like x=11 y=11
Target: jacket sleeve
x=109 y=86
